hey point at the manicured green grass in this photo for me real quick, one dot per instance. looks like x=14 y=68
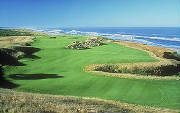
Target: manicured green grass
x=68 y=64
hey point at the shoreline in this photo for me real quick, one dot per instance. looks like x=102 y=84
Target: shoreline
x=175 y=49
x=114 y=35
x=63 y=31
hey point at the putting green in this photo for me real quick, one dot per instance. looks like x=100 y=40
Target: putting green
x=60 y=71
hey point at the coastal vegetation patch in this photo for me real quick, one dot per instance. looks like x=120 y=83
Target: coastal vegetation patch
x=148 y=69
x=18 y=32
x=90 y=42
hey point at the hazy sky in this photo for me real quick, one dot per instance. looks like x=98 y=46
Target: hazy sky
x=92 y=13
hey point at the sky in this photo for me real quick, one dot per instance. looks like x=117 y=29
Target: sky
x=89 y=13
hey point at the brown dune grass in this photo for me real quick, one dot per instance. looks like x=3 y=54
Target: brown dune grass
x=10 y=41
x=17 y=102
x=90 y=69
x=158 y=51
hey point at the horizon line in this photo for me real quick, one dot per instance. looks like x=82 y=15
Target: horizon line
x=28 y=27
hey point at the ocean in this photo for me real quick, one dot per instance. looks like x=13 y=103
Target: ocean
x=166 y=37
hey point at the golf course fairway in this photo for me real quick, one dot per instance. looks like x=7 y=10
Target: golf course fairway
x=59 y=71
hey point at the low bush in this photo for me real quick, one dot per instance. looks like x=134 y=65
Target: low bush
x=157 y=70
x=5 y=52
x=19 y=54
x=90 y=42
x=108 y=68
x=170 y=55
x=78 y=45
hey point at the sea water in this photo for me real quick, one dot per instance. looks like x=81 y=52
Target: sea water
x=166 y=37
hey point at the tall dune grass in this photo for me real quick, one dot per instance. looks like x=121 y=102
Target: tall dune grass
x=158 y=68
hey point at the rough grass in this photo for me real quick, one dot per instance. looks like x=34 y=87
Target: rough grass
x=158 y=51
x=18 y=32
x=162 y=68
x=17 y=102
x=11 y=41
x=13 y=48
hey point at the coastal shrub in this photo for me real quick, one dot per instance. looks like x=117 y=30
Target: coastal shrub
x=78 y=45
x=158 y=70
x=7 y=58
x=90 y=42
x=108 y=68
x=53 y=37
x=170 y=55
x=1 y=72
x=19 y=54
x=4 y=52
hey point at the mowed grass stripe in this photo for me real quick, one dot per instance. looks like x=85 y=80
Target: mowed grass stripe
x=56 y=59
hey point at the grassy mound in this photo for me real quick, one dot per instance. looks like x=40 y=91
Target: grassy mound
x=54 y=59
